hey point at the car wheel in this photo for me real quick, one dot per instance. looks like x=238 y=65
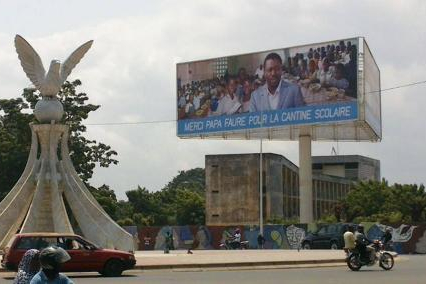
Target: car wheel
x=113 y=268
x=334 y=245
x=306 y=245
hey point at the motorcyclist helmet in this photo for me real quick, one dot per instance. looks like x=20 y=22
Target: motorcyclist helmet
x=237 y=230
x=388 y=230
x=51 y=257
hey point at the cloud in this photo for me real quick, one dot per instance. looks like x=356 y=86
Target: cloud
x=130 y=72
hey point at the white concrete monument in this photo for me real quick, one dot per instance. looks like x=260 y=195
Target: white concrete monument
x=36 y=203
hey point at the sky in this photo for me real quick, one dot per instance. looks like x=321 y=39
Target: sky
x=130 y=72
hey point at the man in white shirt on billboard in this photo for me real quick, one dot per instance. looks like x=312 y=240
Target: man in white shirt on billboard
x=197 y=100
x=276 y=93
x=230 y=103
x=259 y=72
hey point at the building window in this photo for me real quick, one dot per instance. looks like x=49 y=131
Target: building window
x=317 y=166
x=221 y=66
x=351 y=166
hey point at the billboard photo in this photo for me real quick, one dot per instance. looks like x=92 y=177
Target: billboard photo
x=305 y=85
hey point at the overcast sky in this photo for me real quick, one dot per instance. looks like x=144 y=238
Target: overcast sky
x=130 y=71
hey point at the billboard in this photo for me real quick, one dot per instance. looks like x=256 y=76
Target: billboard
x=273 y=91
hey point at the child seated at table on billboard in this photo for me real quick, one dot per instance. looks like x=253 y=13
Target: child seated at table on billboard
x=230 y=103
x=326 y=73
x=189 y=107
x=338 y=80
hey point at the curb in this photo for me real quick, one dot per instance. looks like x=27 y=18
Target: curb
x=225 y=265
x=230 y=264
x=237 y=264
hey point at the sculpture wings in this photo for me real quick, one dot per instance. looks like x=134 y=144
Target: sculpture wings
x=30 y=61
x=73 y=60
x=48 y=84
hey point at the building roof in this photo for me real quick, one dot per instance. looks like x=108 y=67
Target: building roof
x=340 y=159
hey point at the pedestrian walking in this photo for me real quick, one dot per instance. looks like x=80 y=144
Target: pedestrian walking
x=28 y=267
x=260 y=241
x=168 y=243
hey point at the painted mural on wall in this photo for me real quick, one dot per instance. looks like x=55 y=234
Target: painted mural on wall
x=421 y=243
x=406 y=238
x=295 y=235
x=402 y=236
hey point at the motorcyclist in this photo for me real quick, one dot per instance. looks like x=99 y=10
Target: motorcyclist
x=236 y=239
x=361 y=243
x=51 y=259
x=387 y=238
x=349 y=239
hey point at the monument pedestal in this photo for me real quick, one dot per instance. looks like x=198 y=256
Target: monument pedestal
x=37 y=202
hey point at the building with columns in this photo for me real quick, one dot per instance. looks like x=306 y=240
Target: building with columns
x=232 y=186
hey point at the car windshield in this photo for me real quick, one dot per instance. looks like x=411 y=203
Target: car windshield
x=322 y=231
x=87 y=243
x=69 y=243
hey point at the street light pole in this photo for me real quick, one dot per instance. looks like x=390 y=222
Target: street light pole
x=261 y=176
x=261 y=188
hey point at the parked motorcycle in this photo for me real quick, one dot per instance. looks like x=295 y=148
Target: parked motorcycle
x=385 y=259
x=228 y=244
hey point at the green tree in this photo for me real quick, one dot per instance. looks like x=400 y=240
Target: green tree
x=107 y=199
x=193 y=180
x=190 y=208
x=181 y=201
x=410 y=200
x=377 y=201
x=365 y=199
x=15 y=142
x=149 y=204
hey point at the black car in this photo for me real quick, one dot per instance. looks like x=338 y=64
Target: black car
x=327 y=237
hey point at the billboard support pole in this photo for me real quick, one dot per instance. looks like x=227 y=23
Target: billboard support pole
x=261 y=188
x=305 y=178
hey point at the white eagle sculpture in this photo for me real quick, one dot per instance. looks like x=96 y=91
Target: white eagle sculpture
x=48 y=83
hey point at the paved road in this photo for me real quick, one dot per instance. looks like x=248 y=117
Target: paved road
x=409 y=269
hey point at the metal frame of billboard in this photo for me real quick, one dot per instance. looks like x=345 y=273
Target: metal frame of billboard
x=354 y=130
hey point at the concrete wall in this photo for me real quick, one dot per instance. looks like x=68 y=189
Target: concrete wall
x=353 y=167
x=274 y=187
x=407 y=238
x=232 y=191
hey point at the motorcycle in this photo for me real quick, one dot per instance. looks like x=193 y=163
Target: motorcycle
x=229 y=245
x=385 y=259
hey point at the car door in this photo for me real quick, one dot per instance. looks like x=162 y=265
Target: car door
x=332 y=232
x=20 y=247
x=320 y=238
x=82 y=258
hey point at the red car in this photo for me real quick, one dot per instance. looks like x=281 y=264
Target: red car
x=85 y=256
